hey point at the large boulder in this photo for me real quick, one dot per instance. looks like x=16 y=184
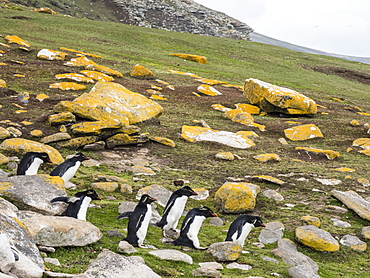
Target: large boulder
x=271 y=98
x=316 y=238
x=236 y=197
x=22 y=146
x=111 y=101
x=59 y=230
x=34 y=192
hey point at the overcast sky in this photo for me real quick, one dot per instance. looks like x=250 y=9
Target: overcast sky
x=336 y=26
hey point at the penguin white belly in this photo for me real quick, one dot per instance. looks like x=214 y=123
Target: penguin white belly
x=71 y=172
x=83 y=208
x=194 y=230
x=247 y=227
x=175 y=213
x=141 y=232
x=34 y=167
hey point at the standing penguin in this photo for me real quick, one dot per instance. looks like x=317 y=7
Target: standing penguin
x=68 y=168
x=241 y=227
x=31 y=161
x=138 y=221
x=78 y=204
x=174 y=208
x=191 y=226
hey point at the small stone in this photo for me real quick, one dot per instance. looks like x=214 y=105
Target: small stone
x=126 y=188
x=365 y=232
x=340 y=223
x=52 y=261
x=206 y=272
x=236 y=265
x=311 y=220
x=211 y=265
x=216 y=221
x=225 y=156
x=125 y=248
x=353 y=242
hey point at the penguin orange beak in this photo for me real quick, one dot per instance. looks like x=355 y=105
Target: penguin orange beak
x=195 y=193
x=214 y=214
x=263 y=225
x=98 y=198
x=154 y=199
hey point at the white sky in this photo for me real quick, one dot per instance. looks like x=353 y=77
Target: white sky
x=335 y=26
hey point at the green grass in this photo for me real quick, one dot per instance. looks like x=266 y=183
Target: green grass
x=123 y=46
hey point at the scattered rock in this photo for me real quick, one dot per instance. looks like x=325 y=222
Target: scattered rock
x=353 y=201
x=272 y=232
x=172 y=255
x=316 y=238
x=225 y=251
x=354 y=243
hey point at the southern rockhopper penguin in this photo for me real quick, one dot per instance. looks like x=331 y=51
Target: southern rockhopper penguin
x=31 y=161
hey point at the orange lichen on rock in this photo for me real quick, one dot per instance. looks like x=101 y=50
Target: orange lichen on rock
x=271 y=98
x=75 y=76
x=191 y=57
x=2 y=83
x=208 y=90
x=328 y=153
x=141 y=71
x=65 y=86
x=80 y=52
x=17 y=40
x=303 y=132
x=51 y=55
x=98 y=76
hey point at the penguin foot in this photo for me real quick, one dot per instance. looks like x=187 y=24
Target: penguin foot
x=141 y=246
x=202 y=248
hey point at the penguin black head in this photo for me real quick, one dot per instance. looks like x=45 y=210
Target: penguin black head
x=88 y=193
x=81 y=157
x=146 y=199
x=206 y=212
x=186 y=190
x=257 y=222
x=45 y=157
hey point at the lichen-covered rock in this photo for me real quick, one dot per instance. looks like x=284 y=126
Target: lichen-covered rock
x=109 y=100
x=225 y=251
x=2 y=83
x=328 y=153
x=45 y=11
x=271 y=98
x=237 y=140
x=225 y=156
x=164 y=141
x=75 y=77
x=4 y=133
x=81 y=61
x=95 y=128
x=105 y=186
x=311 y=220
x=191 y=57
x=265 y=157
x=36 y=133
x=17 y=40
x=239 y=116
x=4 y=159
x=141 y=71
x=234 y=197
x=208 y=90
x=353 y=201
x=251 y=109
x=51 y=55
x=67 y=86
x=60 y=136
x=94 y=66
x=365 y=232
x=98 y=76
x=62 y=118
x=303 y=132
x=80 y=52
x=78 y=142
x=122 y=139
x=316 y=238
x=354 y=243
x=22 y=146
x=269 y=179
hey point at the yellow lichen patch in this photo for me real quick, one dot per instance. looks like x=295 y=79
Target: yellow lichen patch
x=3 y=159
x=17 y=40
x=66 y=86
x=51 y=55
x=362 y=142
x=105 y=186
x=36 y=133
x=164 y=141
x=220 y=107
x=311 y=239
x=354 y=123
x=293 y=122
x=41 y=97
x=196 y=94
x=95 y=128
x=75 y=76
x=80 y=52
x=267 y=157
x=311 y=220
x=98 y=76
x=19 y=145
x=4 y=44
x=328 y=153
x=162 y=82
x=344 y=169
x=61 y=118
x=79 y=62
x=157 y=88
x=103 y=69
x=269 y=178
x=239 y=87
x=337 y=99
x=225 y=156
x=283 y=141
x=246 y=134
x=234 y=197
x=208 y=90
x=363 y=114
x=45 y=10
x=364 y=182
x=210 y=81
x=251 y=109
x=3 y=64
x=184 y=73
x=239 y=116
x=17 y=62
x=191 y=57
x=272 y=98
x=26 y=123
x=20 y=111
x=141 y=71
x=19 y=75
x=2 y=83
x=303 y=132
x=54 y=180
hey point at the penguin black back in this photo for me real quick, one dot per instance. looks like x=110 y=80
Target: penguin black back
x=31 y=162
x=78 y=204
x=241 y=227
x=175 y=207
x=138 y=221
x=68 y=168
x=191 y=226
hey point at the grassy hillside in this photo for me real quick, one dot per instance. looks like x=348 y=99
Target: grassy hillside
x=319 y=77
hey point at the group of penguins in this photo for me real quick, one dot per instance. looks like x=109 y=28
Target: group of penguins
x=139 y=218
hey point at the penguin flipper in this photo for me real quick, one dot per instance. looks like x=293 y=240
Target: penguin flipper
x=60 y=199
x=124 y=215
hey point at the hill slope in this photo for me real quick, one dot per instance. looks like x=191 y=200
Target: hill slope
x=339 y=86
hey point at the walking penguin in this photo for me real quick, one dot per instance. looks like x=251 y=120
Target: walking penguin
x=69 y=167
x=31 y=161
x=191 y=225
x=138 y=221
x=78 y=204
x=241 y=227
x=174 y=208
